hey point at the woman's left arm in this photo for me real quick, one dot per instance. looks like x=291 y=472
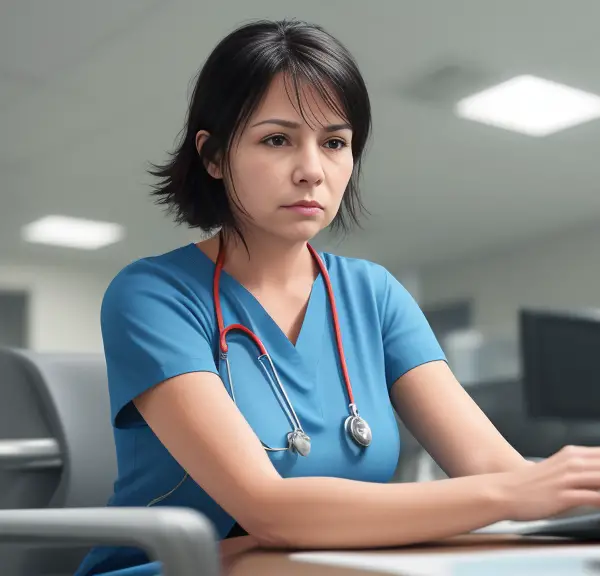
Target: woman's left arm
x=448 y=423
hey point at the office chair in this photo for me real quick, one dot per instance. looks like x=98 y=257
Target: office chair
x=57 y=468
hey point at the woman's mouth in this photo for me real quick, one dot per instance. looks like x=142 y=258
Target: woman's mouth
x=306 y=208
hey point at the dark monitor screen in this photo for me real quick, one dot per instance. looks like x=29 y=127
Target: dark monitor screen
x=560 y=356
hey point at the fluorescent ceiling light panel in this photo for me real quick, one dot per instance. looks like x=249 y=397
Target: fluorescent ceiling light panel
x=73 y=232
x=531 y=106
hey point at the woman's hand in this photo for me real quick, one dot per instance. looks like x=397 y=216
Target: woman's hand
x=568 y=479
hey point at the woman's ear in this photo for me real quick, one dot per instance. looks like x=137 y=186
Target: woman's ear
x=211 y=167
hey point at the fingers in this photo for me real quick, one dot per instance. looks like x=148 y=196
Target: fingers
x=575 y=498
x=577 y=459
x=582 y=480
x=579 y=451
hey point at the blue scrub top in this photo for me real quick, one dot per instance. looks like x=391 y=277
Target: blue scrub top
x=158 y=321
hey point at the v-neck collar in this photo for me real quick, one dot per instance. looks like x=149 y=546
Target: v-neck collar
x=311 y=333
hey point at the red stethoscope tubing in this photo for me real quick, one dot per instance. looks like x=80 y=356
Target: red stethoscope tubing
x=223 y=331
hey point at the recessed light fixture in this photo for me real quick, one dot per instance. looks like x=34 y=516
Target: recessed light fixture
x=531 y=106
x=72 y=232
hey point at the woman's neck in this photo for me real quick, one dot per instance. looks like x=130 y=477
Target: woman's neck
x=268 y=262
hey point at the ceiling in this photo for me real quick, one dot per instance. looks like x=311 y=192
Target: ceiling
x=90 y=92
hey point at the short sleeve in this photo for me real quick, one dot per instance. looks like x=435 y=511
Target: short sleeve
x=150 y=334
x=408 y=340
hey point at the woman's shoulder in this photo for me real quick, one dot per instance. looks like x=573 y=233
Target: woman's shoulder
x=180 y=273
x=354 y=270
x=367 y=281
x=182 y=264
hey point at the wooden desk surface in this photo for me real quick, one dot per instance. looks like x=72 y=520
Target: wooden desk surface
x=242 y=557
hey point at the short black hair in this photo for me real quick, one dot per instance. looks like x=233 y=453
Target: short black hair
x=228 y=89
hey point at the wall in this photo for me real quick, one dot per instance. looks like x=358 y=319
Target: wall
x=64 y=306
x=558 y=272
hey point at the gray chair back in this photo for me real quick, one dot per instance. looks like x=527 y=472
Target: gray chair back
x=56 y=445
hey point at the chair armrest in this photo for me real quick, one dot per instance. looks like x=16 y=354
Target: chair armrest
x=31 y=453
x=182 y=539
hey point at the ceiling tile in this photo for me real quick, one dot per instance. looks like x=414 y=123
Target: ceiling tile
x=40 y=39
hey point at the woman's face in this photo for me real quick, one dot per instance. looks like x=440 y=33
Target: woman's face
x=281 y=160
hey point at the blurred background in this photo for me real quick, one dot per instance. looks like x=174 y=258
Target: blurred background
x=482 y=180
x=483 y=207
x=476 y=221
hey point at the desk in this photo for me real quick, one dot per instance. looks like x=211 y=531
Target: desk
x=242 y=557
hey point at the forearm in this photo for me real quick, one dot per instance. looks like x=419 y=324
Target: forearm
x=337 y=513
x=496 y=462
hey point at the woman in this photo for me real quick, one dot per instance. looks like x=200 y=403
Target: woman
x=294 y=451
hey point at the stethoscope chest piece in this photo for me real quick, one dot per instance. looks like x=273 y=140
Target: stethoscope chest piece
x=358 y=428
x=300 y=442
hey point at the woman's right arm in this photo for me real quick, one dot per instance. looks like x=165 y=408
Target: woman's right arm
x=196 y=420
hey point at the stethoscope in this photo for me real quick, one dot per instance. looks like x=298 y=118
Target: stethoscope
x=298 y=440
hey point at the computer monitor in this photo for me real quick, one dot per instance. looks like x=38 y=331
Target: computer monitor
x=560 y=364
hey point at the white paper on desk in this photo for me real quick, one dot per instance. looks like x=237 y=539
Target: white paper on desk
x=566 y=560
x=510 y=527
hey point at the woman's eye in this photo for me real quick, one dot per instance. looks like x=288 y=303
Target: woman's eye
x=276 y=141
x=338 y=144
x=279 y=140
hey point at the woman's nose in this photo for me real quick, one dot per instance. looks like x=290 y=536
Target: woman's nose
x=309 y=168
